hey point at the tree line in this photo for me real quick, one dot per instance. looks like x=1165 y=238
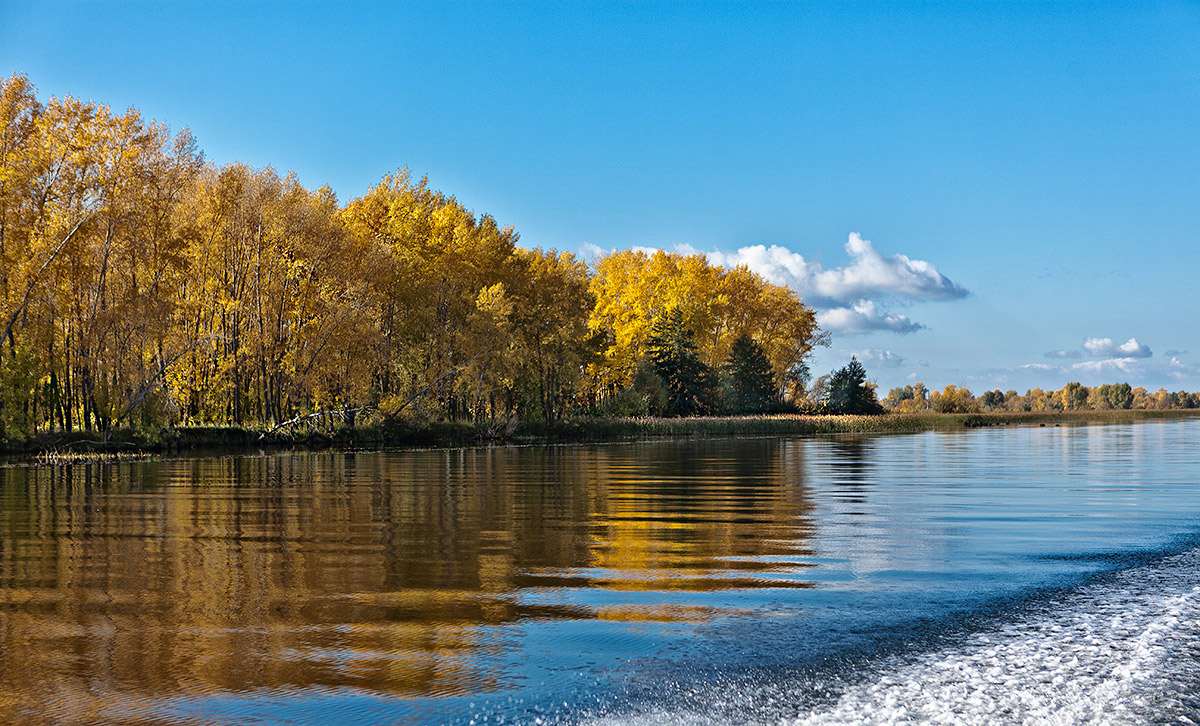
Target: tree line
x=142 y=286
x=1071 y=397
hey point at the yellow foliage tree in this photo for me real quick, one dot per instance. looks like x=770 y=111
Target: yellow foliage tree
x=953 y=399
x=633 y=289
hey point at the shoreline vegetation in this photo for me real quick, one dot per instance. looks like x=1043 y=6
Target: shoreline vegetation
x=87 y=447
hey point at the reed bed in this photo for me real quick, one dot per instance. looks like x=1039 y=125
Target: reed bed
x=59 y=457
x=83 y=447
x=593 y=429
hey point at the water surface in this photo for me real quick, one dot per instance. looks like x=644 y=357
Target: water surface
x=834 y=579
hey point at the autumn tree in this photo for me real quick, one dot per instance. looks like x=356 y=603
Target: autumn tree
x=1074 y=396
x=634 y=289
x=90 y=251
x=438 y=258
x=553 y=301
x=908 y=399
x=953 y=399
x=277 y=318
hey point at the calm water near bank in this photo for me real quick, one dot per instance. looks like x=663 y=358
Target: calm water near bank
x=996 y=575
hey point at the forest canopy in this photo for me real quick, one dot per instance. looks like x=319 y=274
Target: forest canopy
x=142 y=286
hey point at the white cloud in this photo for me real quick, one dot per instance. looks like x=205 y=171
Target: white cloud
x=1063 y=354
x=869 y=274
x=591 y=252
x=1179 y=370
x=1106 y=348
x=778 y=264
x=1126 y=366
x=864 y=316
x=1103 y=348
x=878 y=357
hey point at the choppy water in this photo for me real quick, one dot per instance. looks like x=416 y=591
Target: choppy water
x=1011 y=575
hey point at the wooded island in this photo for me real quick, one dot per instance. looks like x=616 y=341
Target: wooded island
x=142 y=287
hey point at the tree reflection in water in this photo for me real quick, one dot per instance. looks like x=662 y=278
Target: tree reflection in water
x=399 y=573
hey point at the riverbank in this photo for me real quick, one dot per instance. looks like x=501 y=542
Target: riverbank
x=233 y=439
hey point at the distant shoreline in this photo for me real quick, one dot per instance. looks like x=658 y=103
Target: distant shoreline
x=83 y=446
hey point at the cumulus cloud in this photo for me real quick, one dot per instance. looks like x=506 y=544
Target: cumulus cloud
x=869 y=274
x=1126 y=366
x=1106 y=348
x=1174 y=353
x=864 y=316
x=878 y=357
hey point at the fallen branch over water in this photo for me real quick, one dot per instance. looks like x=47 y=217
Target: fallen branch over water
x=348 y=416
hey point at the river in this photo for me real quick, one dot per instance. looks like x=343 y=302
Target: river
x=1017 y=574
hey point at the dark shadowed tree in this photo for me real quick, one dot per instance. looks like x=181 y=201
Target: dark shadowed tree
x=1118 y=395
x=748 y=381
x=992 y=400
x=672 y=348
x=849 y=392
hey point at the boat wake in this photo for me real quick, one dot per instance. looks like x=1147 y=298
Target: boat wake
x=1123 y=649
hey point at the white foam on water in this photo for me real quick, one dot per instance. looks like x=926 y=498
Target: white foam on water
x=1124 y=651
x=1113 y=666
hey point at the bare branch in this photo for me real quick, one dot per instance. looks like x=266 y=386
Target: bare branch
x=33 y=282
x=145 y=390
x=390 y=416
x=393 y=414
x=316 y=415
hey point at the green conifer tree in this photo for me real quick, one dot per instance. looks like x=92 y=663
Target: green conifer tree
x=672 y=348
x=848 y=391
x=749 y=382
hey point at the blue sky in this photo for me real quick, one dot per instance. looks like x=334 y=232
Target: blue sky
x=985 y=194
